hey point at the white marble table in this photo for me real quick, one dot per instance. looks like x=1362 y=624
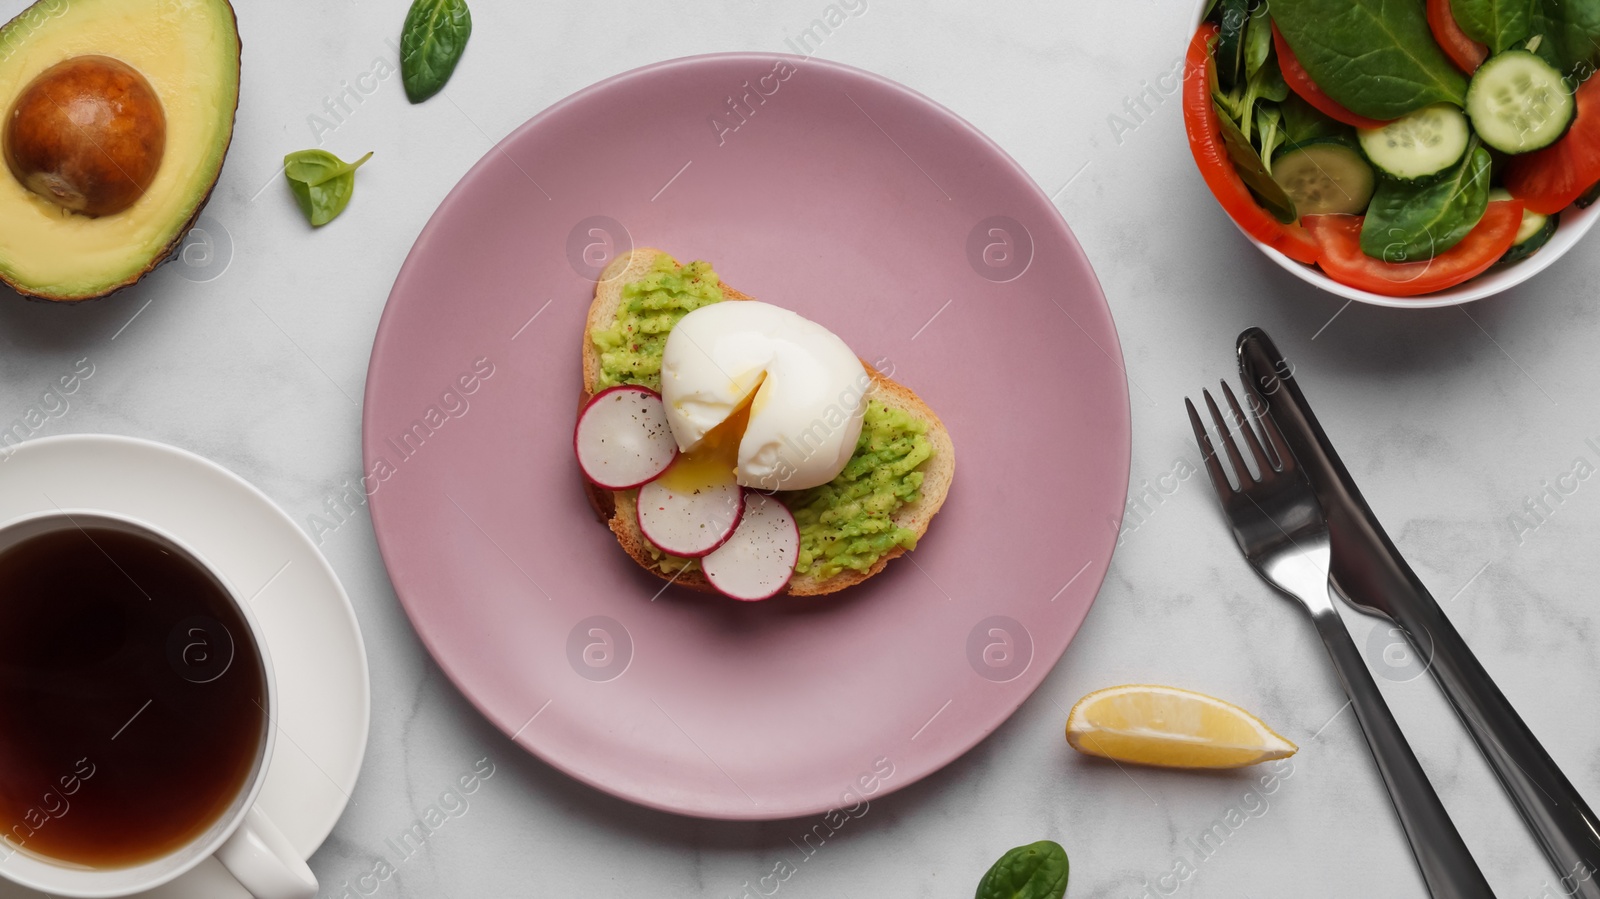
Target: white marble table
x=1450 y=419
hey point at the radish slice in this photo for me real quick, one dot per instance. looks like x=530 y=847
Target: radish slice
x=758 y=560
x=622 y=438
x=690 y=513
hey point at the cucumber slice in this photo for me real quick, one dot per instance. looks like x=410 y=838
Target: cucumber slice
x=1325 y=177
x=1419 y=144
x=1518 y=102
x=1525 y=248
x=1533 y=233
x=1588 y=197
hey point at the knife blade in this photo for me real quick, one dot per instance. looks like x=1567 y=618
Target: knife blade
x=1370 y=573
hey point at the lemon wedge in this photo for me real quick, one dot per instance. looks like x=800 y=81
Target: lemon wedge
x=1145 y=724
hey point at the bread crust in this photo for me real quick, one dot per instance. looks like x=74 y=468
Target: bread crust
x=618 y=509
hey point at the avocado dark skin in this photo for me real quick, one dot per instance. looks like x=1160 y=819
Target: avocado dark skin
x=87 y=134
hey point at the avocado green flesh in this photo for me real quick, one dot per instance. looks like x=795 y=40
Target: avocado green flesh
x=630 y=350
x=848 y=523
x=845 y=524
x=188 y=50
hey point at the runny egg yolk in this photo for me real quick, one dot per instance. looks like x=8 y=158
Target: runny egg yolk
x=713 y=460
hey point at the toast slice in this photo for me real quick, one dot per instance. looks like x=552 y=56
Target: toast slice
x=618 y=510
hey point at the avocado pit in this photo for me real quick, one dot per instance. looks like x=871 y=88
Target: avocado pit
x=87 y=134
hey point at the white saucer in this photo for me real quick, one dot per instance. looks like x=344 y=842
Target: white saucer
x=320 y=661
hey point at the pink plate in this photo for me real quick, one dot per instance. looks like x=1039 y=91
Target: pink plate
x=861 y=205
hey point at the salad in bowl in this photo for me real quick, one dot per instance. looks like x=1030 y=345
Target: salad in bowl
x=1404 y=152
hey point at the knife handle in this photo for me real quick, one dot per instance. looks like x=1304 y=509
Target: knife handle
x=1447 y=865
x=1563 y=823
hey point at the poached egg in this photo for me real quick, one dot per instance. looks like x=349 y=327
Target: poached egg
x=777 y=397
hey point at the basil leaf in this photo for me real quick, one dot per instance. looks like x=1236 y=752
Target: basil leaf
x=1407 y=222
x=1376 y=58
x=1497 y=23
x=322 y=183
x=313 y=166
x=1035 y=871
x=1254 y=172
x=431 y=43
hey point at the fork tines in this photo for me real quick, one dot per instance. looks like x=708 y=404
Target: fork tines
x=1265 y=467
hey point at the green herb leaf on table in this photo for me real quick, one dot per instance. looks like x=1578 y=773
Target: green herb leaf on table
x=431 y=43
x=1496 y=23
x=1035 y=871
x=1376 y=58
x=1408 y=221
x=322 y=183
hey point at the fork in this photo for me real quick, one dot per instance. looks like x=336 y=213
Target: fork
x=1280 y=528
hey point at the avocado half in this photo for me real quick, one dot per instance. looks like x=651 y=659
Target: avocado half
x=188 y=51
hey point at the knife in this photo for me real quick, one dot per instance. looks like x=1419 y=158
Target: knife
x=1369 y=573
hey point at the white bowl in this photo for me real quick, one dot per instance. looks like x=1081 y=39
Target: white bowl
x=1572 y=226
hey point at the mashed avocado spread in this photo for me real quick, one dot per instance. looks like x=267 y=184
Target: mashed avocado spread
x=630 y=350
x=847 y=523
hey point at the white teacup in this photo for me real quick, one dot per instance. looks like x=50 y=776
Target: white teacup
x=252 y=848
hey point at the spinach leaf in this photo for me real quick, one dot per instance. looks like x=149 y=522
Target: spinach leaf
x=1257 y=40
x=431 y=43
x=1497 y=23
x=1377 y=58
x=1035 y=871
x=322 y=183
x=1266 y=84
x=1570 y=34
x=1408 y=222
x=1254 y=172
x=1303 y=122
x=1269 y=132
x=1269 y=84
x=1232 y=100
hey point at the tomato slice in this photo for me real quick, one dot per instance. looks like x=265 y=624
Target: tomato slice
x=1549 y=180
x=1299 y=81
x=1465 y=52
x=1340 y=239
x=1205 y=141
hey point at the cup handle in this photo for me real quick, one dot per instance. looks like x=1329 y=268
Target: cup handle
x=263 y=860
